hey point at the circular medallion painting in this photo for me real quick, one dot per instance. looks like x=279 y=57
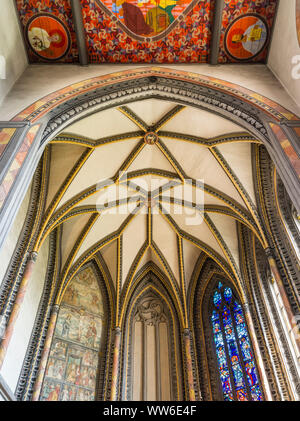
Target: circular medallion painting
x=48 y=37
x=246 y=37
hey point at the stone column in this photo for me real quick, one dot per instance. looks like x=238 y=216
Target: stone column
x=17 y=305
x=189 y=364
x=45 y=353
x=289 y=312
x=115 y=367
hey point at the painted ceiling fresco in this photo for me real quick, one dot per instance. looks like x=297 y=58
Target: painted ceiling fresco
x=148 y=31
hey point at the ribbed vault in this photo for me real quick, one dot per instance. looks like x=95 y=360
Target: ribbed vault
x=151 y=181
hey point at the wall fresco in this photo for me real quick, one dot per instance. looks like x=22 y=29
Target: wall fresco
x=48 y=37
x=71 y=371
x=185 y=39
x=147 y=31
x=246 y=37
x=48 y=30
x=246 y=27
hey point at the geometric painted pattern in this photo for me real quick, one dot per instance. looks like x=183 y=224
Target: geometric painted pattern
x=147 y=31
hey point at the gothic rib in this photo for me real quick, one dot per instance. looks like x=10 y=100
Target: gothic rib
x=242 y=137
x=73 y=139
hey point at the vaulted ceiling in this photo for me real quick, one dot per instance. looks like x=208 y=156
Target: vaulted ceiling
x=151 y=181
x=147 y=31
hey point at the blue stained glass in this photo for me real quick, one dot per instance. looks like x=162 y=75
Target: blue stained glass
x=215 y=315
x=221 y=357
x=241 y=395
x=219 y=339
x=228 y=398
x=237 y=306
x=251 y=373
x=237 y=345
x=256 y=393
x=233 y=352
x=217 y=298
x=238 y=376
x=246 y=349
x=217 y=327
x=226 y=385
x=228 y=324
x=227 y=294
x=241 y=330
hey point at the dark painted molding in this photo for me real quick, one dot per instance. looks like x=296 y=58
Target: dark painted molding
x=216 y=32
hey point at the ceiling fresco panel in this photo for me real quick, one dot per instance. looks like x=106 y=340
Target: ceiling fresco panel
x=246 y=30
x=147 y=31
x=48 y=30
x=176 y=32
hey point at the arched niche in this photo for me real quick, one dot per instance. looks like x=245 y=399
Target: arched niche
x=209 y=354
x=76 y=363
x=152 y=359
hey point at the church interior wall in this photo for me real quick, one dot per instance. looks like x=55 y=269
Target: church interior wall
x=285 y=48
x=11 y=49
x=40 y=80
x=87 y=327
x=21 y=336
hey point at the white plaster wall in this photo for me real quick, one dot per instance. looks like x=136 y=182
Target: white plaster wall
x=284 y=47
x=18 y=345
x=13 y=235
x=41 y=79
x=12 y=50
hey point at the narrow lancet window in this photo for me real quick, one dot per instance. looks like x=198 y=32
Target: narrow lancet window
x=235 y=359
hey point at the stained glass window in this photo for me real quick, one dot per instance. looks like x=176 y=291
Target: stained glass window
x=235 y=359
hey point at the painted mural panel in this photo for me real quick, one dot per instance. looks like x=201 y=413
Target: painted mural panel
x=246 y=27
x=165 y=32
x=147 y=31
x=71 y=371
x=48 y=30
x=147 y=18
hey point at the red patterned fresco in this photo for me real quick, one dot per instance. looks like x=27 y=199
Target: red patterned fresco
x=147 y=31
x=187 y=42
x=234 y=9
x=59 y=9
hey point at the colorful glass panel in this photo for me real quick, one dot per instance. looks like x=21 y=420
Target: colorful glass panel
x=229 y=326
x=217 y=299
x=256 y=393
x=227 y=294
x=221 y=356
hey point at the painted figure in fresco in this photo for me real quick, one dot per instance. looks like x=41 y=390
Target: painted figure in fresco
x=133 y=17
x=91 y=334
x=71 y=373
x=166 y=6
x=156 y=20
x=78 y=376
x=65 y=394
x=59 y=349
x=254 y=36
x=81 y=395
x=40 y=40
x=54 y=393
x=66 y=326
